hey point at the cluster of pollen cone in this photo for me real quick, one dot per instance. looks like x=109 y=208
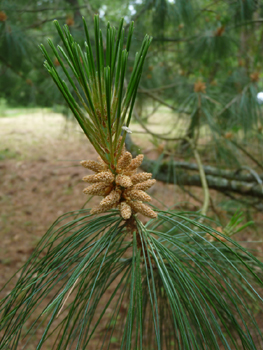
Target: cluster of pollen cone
x=124 y=190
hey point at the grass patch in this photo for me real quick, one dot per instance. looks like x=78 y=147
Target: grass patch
x=7 y=154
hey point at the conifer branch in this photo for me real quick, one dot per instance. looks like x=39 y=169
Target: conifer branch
x=244 y=185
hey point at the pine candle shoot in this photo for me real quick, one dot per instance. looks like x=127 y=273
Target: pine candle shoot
x=103 y=110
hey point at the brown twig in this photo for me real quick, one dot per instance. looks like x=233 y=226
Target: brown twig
x=163 y=39
x=152 y=133
x=232 y=102
x=247 y=153
x=164 y=87
x=139 y=14
x=259 y=20
x=38 y=24
x=156 y=98
x=45 y=9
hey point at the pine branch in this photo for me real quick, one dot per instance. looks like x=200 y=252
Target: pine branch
x=249 y=155
x=4 y=61
x=43 y=9
x=158 y=89
x=38 y=24
x=162 y=137
x=229 y=183
x=176 y=40
x=258 y=20
x=140 y=13
x=103 y=107
x=206 y=9
x=158 y=99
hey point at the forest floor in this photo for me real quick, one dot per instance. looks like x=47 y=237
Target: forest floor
x=40 y=179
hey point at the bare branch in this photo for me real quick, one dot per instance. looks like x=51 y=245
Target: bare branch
x=139 y=14
x=43 y=9
x=152 y=133
x=163 y=39
x=158 y=99
x=38 y=24
x=247 y=153
x=160 y=88
x=167 y=169
x=258 y=20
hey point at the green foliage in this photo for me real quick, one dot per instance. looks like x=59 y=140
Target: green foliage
x=218 y=43
x=233 y=226
x=103 y=107
x=178 y=289
x=7 y=154
x=175 y=282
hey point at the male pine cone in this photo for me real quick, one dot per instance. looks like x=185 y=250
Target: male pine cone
x=125 y=190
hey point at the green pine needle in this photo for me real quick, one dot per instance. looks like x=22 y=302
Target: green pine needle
x=103 y=107
x=178 y=290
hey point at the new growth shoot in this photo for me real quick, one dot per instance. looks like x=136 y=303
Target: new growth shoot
x=102 y=106
x=103 y=109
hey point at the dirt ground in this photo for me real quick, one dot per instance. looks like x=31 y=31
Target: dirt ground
x=40 y=179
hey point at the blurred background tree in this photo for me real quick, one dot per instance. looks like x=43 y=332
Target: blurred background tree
x=204 y=65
